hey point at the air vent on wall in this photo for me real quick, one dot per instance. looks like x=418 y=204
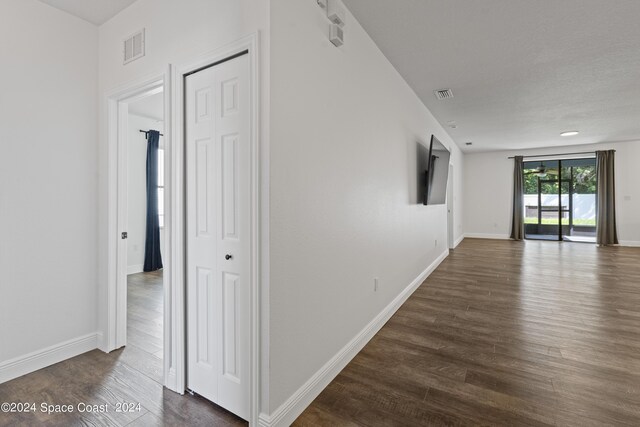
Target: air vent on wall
x=133 y=47
x=443 y=93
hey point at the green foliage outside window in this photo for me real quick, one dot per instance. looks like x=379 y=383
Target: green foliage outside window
x=584 y=181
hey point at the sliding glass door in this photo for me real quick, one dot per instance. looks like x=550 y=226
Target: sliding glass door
x=559 y=201
x=581 y=196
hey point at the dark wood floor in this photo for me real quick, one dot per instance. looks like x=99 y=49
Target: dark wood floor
x=145 y=300
x=132 y=374
x=503 y=333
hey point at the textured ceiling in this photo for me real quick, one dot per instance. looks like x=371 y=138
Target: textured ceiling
x=95 y=11
x=522 y=71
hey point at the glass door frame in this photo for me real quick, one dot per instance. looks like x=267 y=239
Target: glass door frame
x=561 y=211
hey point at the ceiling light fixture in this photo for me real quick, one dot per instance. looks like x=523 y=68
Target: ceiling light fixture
x=570 y=133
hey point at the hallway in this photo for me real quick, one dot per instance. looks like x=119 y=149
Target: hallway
x=503 y=333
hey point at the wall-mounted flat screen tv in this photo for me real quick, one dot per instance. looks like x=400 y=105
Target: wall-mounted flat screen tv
x=433 y=170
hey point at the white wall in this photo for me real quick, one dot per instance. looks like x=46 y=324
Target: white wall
x=489 y=189
x=137 y=191
x=48 y=180
x=343 y=191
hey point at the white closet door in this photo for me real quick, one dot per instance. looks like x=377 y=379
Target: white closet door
x=218 y=234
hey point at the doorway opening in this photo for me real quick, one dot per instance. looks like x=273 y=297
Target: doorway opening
x=145 y=232
x=560 y=200
x=128 y=316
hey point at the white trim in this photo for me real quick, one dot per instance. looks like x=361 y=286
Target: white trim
x=39 y=359
x=170 y=264
x=629 y=243
x=487 y=236
x=458 y=241
x=175 y=238
x=134 y=269
x=122 y=203
x=296 y=404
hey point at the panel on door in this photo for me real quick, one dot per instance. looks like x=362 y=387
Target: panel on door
x=218 y=234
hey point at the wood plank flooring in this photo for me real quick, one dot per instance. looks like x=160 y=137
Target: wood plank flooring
x=132 y=374
x=503 y=333
x=145 y=302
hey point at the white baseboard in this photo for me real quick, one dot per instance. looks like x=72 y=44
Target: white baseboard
x=457 y=242
x=293 y=407
x=487 y=236
x=629 y=243
x=133 y=269
x=31 y=362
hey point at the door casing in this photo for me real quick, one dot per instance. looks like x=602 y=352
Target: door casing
x=450 y=217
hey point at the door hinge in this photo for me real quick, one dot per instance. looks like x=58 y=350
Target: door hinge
x=125 y=235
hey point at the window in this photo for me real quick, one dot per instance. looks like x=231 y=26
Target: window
x=161 y=187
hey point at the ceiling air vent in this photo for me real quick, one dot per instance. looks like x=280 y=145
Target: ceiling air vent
x=443 y=93
x=133 y=47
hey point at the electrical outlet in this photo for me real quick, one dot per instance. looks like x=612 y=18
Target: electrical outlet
x=375 y=284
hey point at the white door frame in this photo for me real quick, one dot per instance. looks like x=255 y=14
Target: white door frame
x=450 y=213
x=114 y=316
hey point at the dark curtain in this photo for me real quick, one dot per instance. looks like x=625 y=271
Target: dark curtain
x=606 y=233
x=152 y=256
x=517 y=221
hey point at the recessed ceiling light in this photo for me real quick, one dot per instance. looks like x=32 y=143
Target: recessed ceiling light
x=570 y=133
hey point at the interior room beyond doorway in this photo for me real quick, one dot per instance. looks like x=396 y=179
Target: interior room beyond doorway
x=145 y=232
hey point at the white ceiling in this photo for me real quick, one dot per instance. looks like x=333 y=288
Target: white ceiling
x=95 y=11
x=151 y=107
x=522 y=71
